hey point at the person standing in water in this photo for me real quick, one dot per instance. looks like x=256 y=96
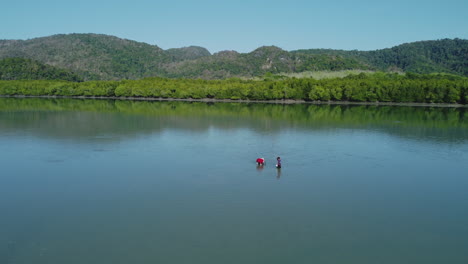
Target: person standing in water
x=278 y=162
x=260 y=161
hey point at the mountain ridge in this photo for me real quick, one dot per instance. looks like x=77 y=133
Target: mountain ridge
x=105 y=57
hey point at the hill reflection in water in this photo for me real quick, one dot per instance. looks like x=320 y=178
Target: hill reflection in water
x=75 y=119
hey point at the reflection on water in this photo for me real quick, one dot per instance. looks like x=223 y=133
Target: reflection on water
x=260 y=167
x=113 y=120
x=102 y=181
x=278 y=174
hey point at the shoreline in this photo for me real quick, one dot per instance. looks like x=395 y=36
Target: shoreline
x=211 y=100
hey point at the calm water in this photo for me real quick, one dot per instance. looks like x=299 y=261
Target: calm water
x=168 y=182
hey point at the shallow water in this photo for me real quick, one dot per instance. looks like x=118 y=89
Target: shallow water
x=96 y=181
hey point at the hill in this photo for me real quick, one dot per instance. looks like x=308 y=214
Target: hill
x=187 y=53
x=25 y=69
x=444 y=56
x=103 y=57
x=95 y=57
x=267 y=59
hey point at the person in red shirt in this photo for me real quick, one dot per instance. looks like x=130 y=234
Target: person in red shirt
x=260 y=161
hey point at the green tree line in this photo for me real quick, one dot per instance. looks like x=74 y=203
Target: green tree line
x=381 y=87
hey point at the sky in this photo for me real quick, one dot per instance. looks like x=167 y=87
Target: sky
x=242 y=25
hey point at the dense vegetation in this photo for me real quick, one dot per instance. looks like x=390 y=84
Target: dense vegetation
x=382 y=87
x=95 y=57
x=186 y=53
x=446 y=55
x=102 y=57
x=259 y=62
x=24 y=69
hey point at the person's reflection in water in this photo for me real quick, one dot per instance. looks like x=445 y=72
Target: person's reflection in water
x=278 y=174
x=260 y=167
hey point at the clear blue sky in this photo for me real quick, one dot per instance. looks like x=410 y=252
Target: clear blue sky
x=242 y=25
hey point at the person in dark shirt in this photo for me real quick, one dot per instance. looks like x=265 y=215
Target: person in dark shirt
x=278 y=162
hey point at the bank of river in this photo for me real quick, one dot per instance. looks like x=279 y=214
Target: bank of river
x=211 y=100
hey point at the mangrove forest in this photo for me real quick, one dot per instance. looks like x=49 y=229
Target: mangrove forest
x=364 y=87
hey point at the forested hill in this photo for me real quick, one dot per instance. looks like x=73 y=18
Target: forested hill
x=25 y=69
x=103 y=57
x=95 y=57
x=446 y=55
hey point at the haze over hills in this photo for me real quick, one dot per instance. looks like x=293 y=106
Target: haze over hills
x=103 y=57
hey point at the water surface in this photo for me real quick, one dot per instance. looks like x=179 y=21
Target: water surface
x=97 y=181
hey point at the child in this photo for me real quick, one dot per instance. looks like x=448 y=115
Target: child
x=278 y=162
